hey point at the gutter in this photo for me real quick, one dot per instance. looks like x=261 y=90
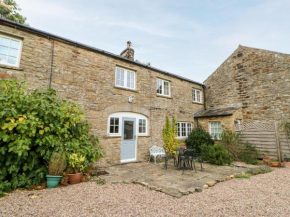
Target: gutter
x=90 y=48
x=51 y=62
x=204 y=97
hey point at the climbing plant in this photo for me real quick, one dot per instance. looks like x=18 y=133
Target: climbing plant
x=34 y=125
x=169 y=135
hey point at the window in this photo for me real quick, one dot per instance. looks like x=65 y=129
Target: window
x=142 y=125
x=215 y=130
x=183 y=129
x=114 y=125
x=125 y=78
x=196 y=95
x=163 y=87
x=9 y=51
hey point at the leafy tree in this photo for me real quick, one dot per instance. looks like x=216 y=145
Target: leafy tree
x=169 y=135
x=197 y=138
x=33 y=125
x=9 y=10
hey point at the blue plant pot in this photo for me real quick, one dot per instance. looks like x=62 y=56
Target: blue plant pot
x=52 y=181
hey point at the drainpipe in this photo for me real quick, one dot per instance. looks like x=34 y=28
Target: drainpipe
x=204 y=97
x=51 y=62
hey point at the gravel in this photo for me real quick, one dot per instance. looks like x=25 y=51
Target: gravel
x=261 y=195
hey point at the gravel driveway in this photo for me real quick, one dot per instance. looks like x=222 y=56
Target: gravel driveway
x=262 y=195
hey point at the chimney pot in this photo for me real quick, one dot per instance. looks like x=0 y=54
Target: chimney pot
x=128 y=52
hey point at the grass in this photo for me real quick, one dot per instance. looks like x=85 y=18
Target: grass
x=101 y=182
x=243 y=176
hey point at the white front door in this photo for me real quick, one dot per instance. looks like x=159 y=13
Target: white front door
x=128 y=147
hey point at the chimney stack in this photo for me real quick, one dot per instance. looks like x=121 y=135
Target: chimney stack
x=128 y=52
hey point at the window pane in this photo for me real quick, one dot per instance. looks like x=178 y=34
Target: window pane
x=15 y=44
x=3 y=58
x=12 y=60
x=198 y=95
x=116 y=121
x=128 y=130
x=111 y=129
x=13 y=52
x=166 y=88
x=116 y=129
x=5 y=41
x=159 y=86
x=4 y=50
x=112 y=121
x=193 y=95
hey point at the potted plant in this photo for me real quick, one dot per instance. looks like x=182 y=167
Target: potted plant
x=57 y=164
x=77 y=163
x=274 y=163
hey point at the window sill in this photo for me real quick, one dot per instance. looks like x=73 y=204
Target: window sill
x=199 y=103
x=112 y=136
x=163 y=96
x=143 y=135
x=10 y=67
x=181 y=138
x=124 y=88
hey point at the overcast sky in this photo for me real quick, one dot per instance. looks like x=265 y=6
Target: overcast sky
x=190 y=38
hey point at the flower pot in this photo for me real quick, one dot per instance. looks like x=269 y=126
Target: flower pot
x=286 y=164
x=74 y=178
x=274 y=164
x=52 y=181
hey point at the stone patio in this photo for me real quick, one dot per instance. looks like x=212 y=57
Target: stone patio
x=172 y=181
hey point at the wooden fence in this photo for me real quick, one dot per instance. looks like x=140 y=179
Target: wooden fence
x=267 y=138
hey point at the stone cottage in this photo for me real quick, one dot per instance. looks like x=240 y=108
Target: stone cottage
x=251 y=84
x=126 y=102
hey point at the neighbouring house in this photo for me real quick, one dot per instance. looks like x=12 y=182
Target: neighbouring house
x=125 y=101
x=251 y=84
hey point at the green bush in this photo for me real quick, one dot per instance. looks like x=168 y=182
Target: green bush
x=249 y=154
x=33 y=126
x=231 y=142
x=259 y=170
x=197 y=138
x=216 y=154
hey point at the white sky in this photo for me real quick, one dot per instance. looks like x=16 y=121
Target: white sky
x=190 y=38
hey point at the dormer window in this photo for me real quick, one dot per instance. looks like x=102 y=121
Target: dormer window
x=125 y=78
x=10 y=50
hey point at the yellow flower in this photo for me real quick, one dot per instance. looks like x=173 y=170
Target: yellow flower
x=8 y=118
x=3 y=127
x=20 y=120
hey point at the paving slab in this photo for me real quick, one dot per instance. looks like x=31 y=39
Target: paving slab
x=171 y=181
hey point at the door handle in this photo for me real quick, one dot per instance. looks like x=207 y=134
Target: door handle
x=134 y=137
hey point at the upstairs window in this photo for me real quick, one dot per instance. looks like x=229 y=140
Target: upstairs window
x=163 y=87
x=125 y=78
x=10 y=51
x=196 y=95
x=215 y=130
x=183 y=129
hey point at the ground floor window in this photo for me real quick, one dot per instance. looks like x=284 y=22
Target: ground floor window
x=115 y=123
x=183 y=129
x=215 y=129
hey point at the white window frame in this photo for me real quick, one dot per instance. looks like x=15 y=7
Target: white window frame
x=125 y=78
x=210 y=130
x=18 y=54
x=179 y=129
x=109 y=124
x=145 y=133
x=195 y=95
x=162 y=85
x=122 y=115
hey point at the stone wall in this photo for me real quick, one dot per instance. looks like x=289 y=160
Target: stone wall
x=88 y=77
x=259 y=79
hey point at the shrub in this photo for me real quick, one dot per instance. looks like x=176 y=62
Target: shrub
x=197 y=138
x=33 y=126
x=259 y=170
x=57 y=163
x=76 y=162
x=216 y=154
x=169 y=135
x=231 y=142
x=249 y=154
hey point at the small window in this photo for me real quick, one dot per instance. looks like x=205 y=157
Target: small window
x=196 y=95
x=215 y=130
x=142 y=126
x=163 y=87
x=183 y=129
x=114 y=125
x=10 y=49
x=125 y=78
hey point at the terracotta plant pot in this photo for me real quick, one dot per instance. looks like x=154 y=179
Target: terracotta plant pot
x=266 y=160
x=286 y=164
x=74 y=178
x=183 y=147
x=274 y=164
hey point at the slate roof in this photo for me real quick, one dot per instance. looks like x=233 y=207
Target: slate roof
x=87 y=47
x=222 y=111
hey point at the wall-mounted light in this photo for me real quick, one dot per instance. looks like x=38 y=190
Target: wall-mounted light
x=130 y=100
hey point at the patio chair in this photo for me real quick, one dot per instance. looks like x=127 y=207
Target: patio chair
x=187 y=159
x=156 y=151
x=167 y=157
